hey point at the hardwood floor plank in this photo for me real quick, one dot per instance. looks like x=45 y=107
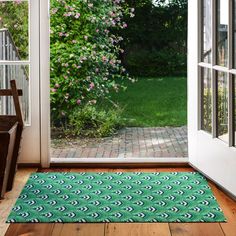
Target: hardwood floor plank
x=136 y=229
x=189 y=169
x=229 y=208
x=30 y=230
x=57 y=229
x=8 y=202
x=195 y=229
x=54 y=170
x=90 y=170
x=79 y=230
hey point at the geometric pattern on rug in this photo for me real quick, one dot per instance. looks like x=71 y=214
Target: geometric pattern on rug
x=116 y=197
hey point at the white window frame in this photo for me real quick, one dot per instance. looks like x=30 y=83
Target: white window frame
x=216 y=68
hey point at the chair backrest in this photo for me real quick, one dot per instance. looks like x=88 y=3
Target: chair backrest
x=15 y=93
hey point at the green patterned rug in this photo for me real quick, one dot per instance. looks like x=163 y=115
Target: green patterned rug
x=116 y=197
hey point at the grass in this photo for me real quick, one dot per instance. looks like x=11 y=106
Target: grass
x=154 y=102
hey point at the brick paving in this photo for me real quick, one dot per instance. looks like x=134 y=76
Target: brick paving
x=127 y=143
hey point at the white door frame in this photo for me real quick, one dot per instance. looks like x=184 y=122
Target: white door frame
x=45 y=107
x=44 y=83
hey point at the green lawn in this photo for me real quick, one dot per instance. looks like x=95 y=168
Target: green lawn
x=154 y=102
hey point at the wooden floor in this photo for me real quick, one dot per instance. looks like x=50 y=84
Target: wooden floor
x=135 y=229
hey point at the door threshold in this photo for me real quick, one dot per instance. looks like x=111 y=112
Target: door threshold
x=119 y=162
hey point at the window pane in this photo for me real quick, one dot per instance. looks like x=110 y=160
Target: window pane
x=207 y=31
x=21 y=74
x=207 y=100
x=14 y=31
x=222 y=32
x=222 y=105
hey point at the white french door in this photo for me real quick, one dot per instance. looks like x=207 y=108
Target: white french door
x=19 y=60
x=211 y=89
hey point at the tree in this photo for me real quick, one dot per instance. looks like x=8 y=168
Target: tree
x=155 y=41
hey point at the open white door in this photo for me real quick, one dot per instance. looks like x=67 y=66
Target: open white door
x=211 y=89
x=19 y=60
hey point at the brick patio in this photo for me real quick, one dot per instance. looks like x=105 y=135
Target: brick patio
x=127 y=143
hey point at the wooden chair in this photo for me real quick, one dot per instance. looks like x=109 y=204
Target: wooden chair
x=11 y=128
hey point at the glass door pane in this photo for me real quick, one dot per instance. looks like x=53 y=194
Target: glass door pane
x=14 y=48
x=207 y=31
x=207 y=100
x=14 y=30
x=222 y=32
x=222 y=106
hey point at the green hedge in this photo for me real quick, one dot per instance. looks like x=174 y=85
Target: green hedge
x=155 y=40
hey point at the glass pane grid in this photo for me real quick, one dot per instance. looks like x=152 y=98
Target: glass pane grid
x=222 y=106
x=14 y=54
x=216 y=67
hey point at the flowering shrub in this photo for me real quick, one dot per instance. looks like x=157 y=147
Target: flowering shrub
x=85 y=63
x=14 y=17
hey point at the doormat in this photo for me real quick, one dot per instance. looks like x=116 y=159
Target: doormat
x=116 y=197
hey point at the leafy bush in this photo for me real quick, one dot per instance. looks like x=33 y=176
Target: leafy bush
x=163 y=62
x=94 y=122
x=84 y=53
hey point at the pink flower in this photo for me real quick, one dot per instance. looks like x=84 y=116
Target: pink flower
x=77 y=15
x=92 y=85
x=54 y=11
x=53 y=90
x=78 y=102
x=104 y=58
x=125 y=25
x=18 y=1
x=57 y=85
x=74 y=41
x=67 y=14
x=61 y=34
